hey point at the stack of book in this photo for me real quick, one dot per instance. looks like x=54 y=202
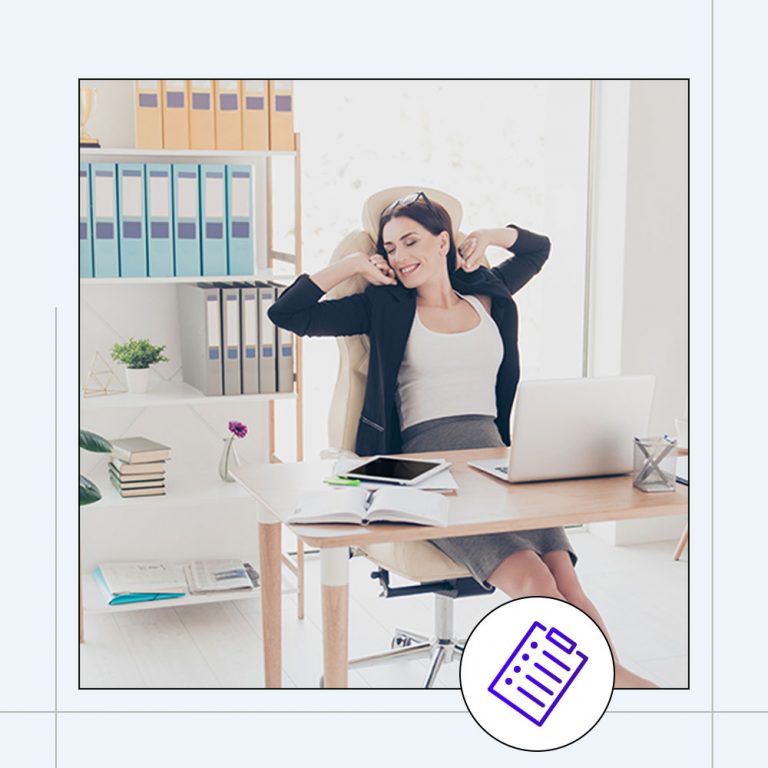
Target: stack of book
x=137 y=467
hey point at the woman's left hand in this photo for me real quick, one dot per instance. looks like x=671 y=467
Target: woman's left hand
x=472 y=250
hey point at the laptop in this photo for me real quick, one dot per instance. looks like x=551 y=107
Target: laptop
x=574 y=428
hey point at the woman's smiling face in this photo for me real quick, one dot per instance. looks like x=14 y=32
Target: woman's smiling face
x=416 y=255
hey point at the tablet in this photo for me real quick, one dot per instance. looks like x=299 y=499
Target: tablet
x=384 y=469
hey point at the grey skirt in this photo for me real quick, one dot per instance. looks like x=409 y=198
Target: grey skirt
x=482 y=554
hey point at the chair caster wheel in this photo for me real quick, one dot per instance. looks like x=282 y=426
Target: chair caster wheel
x=401 y=641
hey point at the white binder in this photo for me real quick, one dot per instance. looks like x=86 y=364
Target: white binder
x=249 y=335
x=283 y=352
x=230 y=337
x=267 y=341
x=201 y=356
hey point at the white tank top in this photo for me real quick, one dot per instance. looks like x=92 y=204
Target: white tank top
x=449 y=374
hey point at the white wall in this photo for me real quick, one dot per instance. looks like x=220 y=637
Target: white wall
x=639 y=304
x=511 y=151
x=655 y=317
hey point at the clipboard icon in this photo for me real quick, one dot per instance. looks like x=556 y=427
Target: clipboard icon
x=538 y=673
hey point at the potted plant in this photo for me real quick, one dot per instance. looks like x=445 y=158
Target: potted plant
x=138 y=355
x=90 y=441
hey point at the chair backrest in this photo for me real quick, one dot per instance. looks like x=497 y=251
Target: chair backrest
x=348 y=393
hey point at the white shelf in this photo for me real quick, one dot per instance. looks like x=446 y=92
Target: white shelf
x=216 y=155
x=180 y=490
x=94 y=600
x=171 y=393
x=262 y=276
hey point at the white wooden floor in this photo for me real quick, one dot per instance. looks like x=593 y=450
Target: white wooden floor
x=641 y=593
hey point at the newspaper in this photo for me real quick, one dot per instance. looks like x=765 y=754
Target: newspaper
x=211 y=576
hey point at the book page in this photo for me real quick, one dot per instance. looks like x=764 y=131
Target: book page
x=409 y=505
x=329 y=505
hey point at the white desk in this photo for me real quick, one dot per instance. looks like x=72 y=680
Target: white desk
x=482 y=505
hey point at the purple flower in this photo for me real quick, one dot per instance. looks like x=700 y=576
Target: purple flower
x=238 y=429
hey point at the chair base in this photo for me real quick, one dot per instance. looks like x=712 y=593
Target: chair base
x=441 y=649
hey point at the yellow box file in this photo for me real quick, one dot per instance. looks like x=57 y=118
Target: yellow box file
x=281 y=115
x=202 y=123
x=255 y=114
x=175 y=114
x=148 y=112
x=229 y=128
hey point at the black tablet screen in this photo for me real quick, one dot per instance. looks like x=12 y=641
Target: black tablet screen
x=396 y=469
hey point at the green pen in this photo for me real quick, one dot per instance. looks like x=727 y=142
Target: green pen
x=341 y=481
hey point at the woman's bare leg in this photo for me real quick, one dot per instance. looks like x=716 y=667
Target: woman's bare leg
x=524 y=574
x=567 y=582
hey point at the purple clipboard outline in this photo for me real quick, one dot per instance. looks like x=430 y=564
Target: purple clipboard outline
x=538 y=625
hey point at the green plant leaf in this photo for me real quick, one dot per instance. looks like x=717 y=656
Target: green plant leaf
x=88 y=492
x=138 y=353
x=90 y=441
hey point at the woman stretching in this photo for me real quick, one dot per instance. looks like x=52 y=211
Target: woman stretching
x=443 y=370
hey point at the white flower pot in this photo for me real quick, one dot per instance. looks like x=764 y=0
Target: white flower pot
x=137 y=379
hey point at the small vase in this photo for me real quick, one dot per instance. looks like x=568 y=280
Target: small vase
x=229 y=460
x=137 y=379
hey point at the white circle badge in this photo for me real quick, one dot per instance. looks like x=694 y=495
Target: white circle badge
x=537 y=673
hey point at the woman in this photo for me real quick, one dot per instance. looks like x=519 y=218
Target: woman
x=429 y=305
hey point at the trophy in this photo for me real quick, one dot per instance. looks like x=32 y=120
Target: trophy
x=87 y=102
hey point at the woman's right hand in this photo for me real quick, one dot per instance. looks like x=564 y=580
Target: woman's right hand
x=374 y=268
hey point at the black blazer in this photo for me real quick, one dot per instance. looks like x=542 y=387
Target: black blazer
x=385 y=314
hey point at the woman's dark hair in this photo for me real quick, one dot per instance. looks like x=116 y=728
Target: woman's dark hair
x=431 y=215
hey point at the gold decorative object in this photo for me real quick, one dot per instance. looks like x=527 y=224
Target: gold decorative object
x=100 y=382
x=87 y=103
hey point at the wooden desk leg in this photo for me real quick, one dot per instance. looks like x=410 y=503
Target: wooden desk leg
x=300 y=577
x=334 y=576
x=682 y=543
x=270 y=535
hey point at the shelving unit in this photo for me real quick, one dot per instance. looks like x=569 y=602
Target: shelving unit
x=264 y=275
x=191 y=499
x=171 y=393
x=93 y=599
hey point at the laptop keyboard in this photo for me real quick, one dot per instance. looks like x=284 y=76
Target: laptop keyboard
x=504 y=469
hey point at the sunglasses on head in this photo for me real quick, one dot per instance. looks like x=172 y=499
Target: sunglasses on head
x=409 y=200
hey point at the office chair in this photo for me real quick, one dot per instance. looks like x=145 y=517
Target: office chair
x=417 y=561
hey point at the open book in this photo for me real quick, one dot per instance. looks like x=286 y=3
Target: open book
x=360 y=506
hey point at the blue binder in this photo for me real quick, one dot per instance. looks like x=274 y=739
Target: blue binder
x=159 y=196
x=240 y=221
x=86 y=242
x=213 y=215
x=106 y=254
x=132 y=220
x=186 y=219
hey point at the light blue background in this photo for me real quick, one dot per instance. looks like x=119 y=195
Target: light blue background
x=560 y=38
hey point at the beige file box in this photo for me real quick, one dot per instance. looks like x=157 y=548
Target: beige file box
x=148 y=112
x=175 y=114
x=255 y=108
x=202 y=123
x=281 y=115
x=228 y=114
